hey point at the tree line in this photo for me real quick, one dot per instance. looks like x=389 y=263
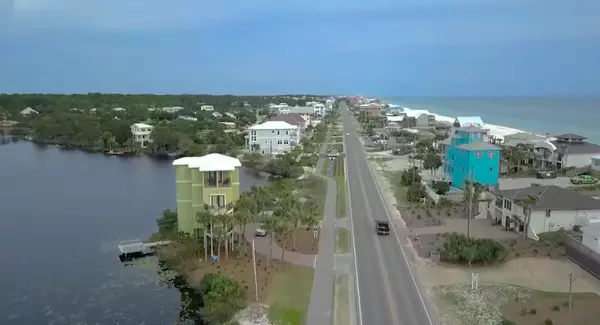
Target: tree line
x=90 y=122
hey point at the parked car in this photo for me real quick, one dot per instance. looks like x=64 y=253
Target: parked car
x=583 y=179
x=546 y=174
x=260 y=231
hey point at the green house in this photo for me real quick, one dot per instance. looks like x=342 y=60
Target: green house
x=213 y=180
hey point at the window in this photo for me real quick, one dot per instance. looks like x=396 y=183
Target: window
x=462 y=169
x=491 y=169
x=272 y=131
x=253 y=138
x=477 y=154
x=217 y=201
x=508 y=205
x=285 y=141
x=452 y=157
x=278 y=141
x=491 y=154
x=197 y=233
x=253 y=133
x=548 y=213
x=277 y=132
x=287 y=132
x=452 y=169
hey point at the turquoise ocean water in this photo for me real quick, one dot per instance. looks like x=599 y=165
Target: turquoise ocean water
x=540 y=115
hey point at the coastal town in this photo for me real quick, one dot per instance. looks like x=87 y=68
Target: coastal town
x=492 y=225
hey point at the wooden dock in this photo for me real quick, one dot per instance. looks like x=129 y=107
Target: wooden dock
x=136 y=248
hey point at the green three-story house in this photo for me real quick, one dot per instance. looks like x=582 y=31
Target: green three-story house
x=212 y=180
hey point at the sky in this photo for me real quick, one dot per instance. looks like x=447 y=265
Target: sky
x=375 y=47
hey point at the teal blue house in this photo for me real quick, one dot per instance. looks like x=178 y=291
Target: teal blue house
x=469 y=156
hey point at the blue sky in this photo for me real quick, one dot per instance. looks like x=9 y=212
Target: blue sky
x=377 y=47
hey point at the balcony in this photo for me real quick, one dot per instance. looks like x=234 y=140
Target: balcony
x=217 y=179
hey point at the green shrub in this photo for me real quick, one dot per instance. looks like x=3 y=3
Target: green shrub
x=458 y=248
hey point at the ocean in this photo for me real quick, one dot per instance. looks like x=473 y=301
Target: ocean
x=539 y=115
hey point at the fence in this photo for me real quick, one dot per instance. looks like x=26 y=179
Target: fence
x=577 y=252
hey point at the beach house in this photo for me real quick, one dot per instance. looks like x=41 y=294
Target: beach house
x=272 y=137
x=212 y=180
x=552 y=208
x=470 y=157
x=564 y=151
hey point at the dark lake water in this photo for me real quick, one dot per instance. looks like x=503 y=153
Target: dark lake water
x=62 y=214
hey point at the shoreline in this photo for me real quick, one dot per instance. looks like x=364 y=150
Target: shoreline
x=498 y=131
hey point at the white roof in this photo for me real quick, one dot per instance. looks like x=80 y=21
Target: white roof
x=465 y=121
x=595 y=157
x=395 y=118
x=273 y=125
x=416 y=112
x=210 y=162
x=142 y=125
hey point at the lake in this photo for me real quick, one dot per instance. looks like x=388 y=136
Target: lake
x=62 y=215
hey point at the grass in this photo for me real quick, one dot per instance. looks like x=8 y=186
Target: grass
x=399 y=189
x=340 y=180
x=313 y=188
x=325 y=167
x=289 y=294
x=342 y=240
x=341 y=306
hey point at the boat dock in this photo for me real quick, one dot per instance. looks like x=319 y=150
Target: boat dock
x=136 y=248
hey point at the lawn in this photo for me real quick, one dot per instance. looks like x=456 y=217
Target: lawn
x=289 y=294
x=593 y=190
x=341 y=306
x=342 y=240
x=313 y=188
x=340 y=179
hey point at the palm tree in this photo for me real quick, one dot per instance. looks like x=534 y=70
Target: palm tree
x=271 y=224
x=243 y=213
x=310 y=221
x=528 y=205
x=227 y=221
x=206 y=218
x=284 y=226
x=261 y=198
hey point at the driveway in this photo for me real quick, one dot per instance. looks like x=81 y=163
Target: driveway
x=513 y=183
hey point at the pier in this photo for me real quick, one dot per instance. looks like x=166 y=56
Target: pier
x=129 y=249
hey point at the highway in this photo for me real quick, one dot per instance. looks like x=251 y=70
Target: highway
x=387 y=292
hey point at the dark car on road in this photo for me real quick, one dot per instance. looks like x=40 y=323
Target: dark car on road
x=382 y=227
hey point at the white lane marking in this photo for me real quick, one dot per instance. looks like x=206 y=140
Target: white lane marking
x=349 y=209
x=387 y=212
x=315 y=261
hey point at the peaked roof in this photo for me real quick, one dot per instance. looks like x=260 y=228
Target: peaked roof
x=552 y=197
x=273 y=125
x=210 y=162
x=291 y=118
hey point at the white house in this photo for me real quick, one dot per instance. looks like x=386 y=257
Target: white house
x=228 y=125
x=119 y=109
x=231 y=115
x=552 y=208
x=565 y=150
x=141 y=133
x=281 y=108
x=595 y=163
x=207 y=108
x=173 y=109
x=329 y=104
x=319 y=109
x=217 y=114
x=425 y=120
x=28 y=111
x=272 y=137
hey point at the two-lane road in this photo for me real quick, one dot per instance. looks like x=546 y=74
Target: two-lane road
x=387 y=292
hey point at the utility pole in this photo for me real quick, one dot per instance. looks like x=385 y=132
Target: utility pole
x=255 y=273
x=471 y=192
x=570 y=298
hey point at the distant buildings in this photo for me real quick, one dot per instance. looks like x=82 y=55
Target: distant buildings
x=470 y=157
x=141 y=133
x=207 y=108
x=212 y=180
x=293 y=119
x=272 y=137
x=173 y=109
